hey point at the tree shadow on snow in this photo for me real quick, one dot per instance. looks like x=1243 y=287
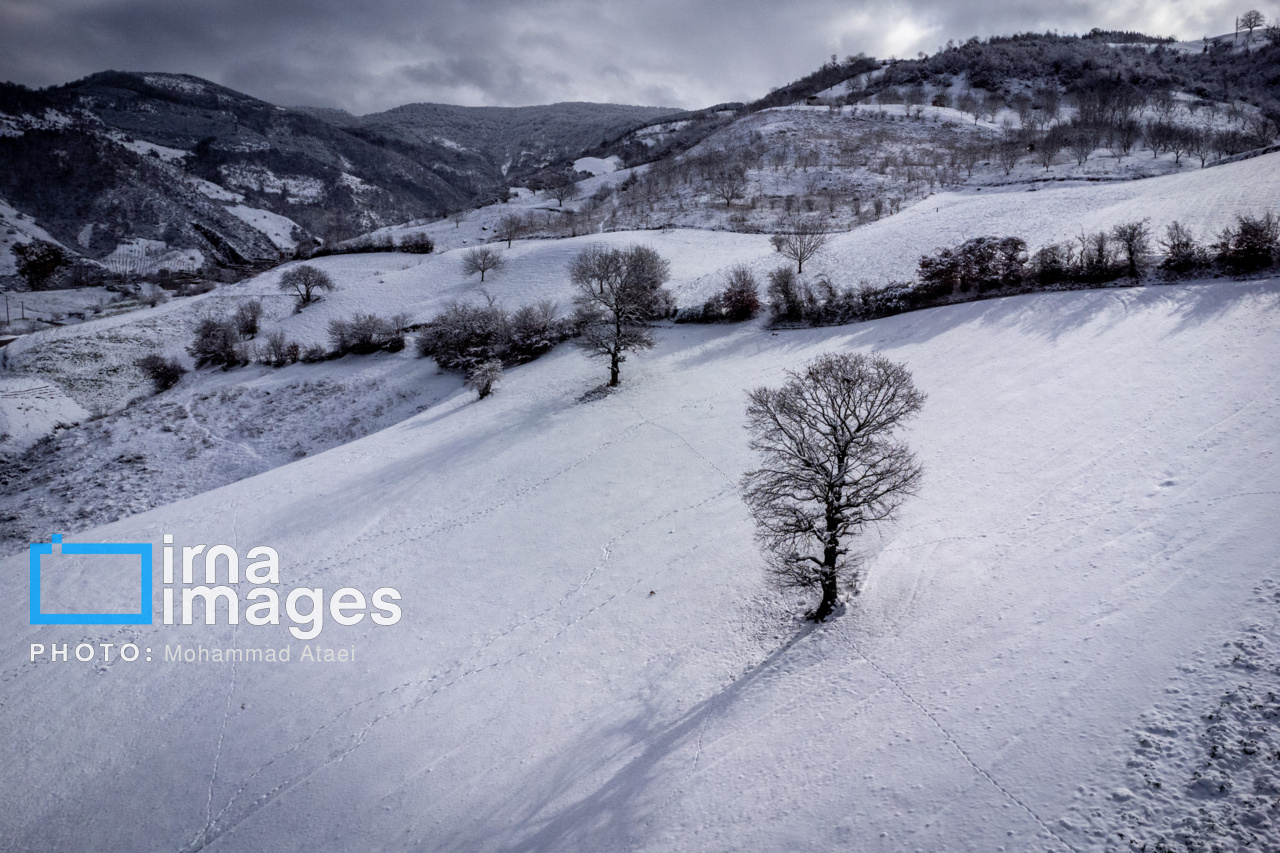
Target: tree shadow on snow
x=615 y=813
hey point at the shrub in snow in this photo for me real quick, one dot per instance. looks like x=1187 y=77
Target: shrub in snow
x=981 y=264
x=740 y=300
x=740 y=297
x=1053 y=264
x=417 y=244
x=306 y=282
x=534 y=330
x=484 y=376
x=216 y=342
x=367 y=333
x=279 y=350
x=1253 y=244
x=1182 y=254
x=831 y=467
x=463 y=336
x=1133 y=240
x=313 y=354
x=247 y=316
x=1096 y=262
x=163 y=372
x=786 y=299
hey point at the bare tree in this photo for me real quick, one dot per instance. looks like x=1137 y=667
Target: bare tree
x=1009 y=149
x=563 y=192
x=728 y=184
x=305 y=281
x=831 y=467
x=510 y=227
x=1250 y=21
x=458 y=217
x=1049 y=146
x=1080 y=142
x=1201 y=145
x=482 y=259
x=618 y=292
x=801 y=241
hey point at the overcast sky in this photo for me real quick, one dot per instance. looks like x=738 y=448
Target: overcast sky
x=369 y=55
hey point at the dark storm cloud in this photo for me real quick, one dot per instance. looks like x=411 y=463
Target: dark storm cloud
x=372 y=55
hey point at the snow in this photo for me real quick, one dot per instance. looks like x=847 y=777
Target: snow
x=169 y=155
x=29 y=410
x=1077 y=614
x=1204 y=200
x=1097 y=521
x=597 y=165
x=24 y=229
x=279 y=229
x=213 y=191
x=300 y=188
x=178 y=82
x=142 y=256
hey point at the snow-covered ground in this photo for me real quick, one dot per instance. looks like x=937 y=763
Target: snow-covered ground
x=30 y=410
x=1069 y=641
x=589 y=659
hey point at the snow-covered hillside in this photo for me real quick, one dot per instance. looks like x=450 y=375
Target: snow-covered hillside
x=589 y=659
x=249 y=420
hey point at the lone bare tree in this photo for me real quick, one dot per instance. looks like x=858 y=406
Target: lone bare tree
x=728 y=184
x=618 y=292
x=510 y=227
x=831 y=467
x=803 y=239
x=305 y=281
x=482 y=259
x=1250 y=21
x=563 y=192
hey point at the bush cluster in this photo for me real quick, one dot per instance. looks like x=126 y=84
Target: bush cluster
x=367 y=333
x=464 y=336
x=417 y=244
x=738 y=301
x=163 y=372
x=986 y=265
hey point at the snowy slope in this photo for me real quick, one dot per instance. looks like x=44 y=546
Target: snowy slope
x=1205 y=201
x=589 y=659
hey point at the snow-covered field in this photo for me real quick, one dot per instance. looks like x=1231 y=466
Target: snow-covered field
x=1069 y=641
x=589 y=659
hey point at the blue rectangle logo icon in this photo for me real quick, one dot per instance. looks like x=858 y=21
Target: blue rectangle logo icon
x=143 y=552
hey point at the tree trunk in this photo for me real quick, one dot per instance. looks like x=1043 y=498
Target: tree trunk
x=828 y=603
x=613 y=370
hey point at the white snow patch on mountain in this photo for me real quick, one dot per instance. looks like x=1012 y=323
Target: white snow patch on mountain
x=597 y=165
x=279 y=229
